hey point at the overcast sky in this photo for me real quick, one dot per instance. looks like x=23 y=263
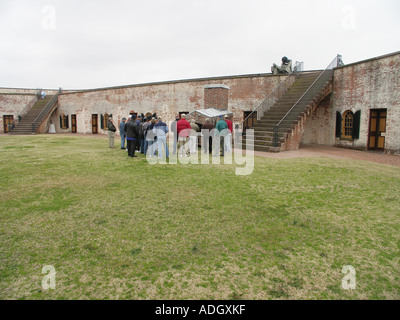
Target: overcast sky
x=99 y=43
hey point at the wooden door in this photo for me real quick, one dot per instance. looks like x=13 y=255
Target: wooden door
x=7 y=120
x=73 y=124
x=95 y=123
x=251 y=121
x=377 y=129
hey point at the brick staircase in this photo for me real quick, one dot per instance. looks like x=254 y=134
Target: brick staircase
x=28 y=125
x=302 y=100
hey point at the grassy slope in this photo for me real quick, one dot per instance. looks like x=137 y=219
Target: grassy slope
x=118 y=228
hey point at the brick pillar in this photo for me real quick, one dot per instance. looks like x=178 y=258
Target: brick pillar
x=216 y=96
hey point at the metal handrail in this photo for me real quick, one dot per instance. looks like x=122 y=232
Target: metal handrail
x=335 y=63
x=251 y=115
x=45 y=110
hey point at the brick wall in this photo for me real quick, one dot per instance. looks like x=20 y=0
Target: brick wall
x=370 y=84
x=216 y=96
x=314 y=127
x=14 y=105
x=366 y=85
x=166 y=99
x=320 y=128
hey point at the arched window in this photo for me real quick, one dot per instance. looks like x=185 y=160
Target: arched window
x=64 y=122
x=348 y=125
x=348 y=122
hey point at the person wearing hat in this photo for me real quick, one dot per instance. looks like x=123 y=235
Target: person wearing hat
x=132 y=135
x=122 y=133
x=221 y=130
x=111 y=131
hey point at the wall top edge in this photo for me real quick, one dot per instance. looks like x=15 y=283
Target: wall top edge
x=216 y=86
x=368 y=60
x=74 y=91
x=17 y=94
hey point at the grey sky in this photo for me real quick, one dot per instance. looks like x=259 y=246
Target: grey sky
x=98 y=43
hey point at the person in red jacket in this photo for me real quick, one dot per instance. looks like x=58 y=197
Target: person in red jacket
x=228 y=139
x=183 y=128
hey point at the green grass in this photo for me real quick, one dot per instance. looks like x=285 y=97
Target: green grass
x=118 y=228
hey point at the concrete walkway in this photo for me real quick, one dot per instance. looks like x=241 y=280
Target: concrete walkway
x=336 y=153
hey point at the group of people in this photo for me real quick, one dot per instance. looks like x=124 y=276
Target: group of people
x=148 y=135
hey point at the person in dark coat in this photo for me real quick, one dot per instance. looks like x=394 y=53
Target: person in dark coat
x=132 y=135
x=144 y=130
x=139 y=140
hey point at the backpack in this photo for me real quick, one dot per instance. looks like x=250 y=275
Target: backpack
x=142 y=130
x=111 y=127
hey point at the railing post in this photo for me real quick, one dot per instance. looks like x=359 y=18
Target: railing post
x=276 y=128
x=299 y=67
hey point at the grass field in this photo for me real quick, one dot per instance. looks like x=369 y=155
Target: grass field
x=118 y=228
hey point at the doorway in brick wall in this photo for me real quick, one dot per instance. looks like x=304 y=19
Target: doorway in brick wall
x=7 y=120
x=377 y=129
x=251 y=119
x=95 y=123
x=74 y=128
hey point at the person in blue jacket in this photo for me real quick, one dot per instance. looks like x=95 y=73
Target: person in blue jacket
x=122 y=133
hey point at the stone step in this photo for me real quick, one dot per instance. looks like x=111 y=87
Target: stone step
x=267 y=135
x=291 y=107
x=274 y=120
x=282 y=128
x=271 y=121
x=260 y=148
x=268 y=143
x=25 y=125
